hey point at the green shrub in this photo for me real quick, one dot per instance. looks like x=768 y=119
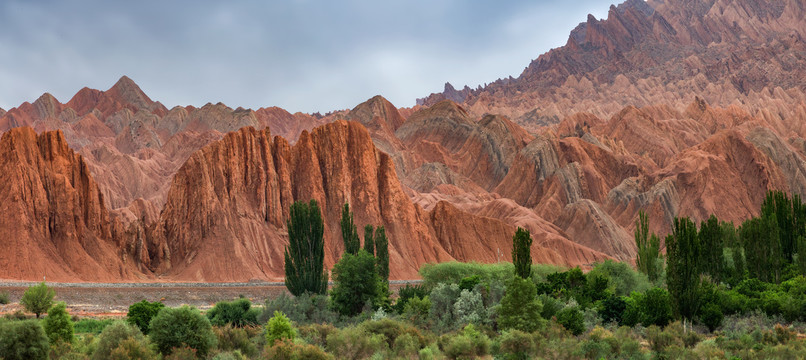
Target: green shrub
x=23 y=340
x=656 y=307
x=140 y=314
x=407 y=346
x=232 y=339
x=182 y=353
x=469 y=308
x=453 y=272
x=38 y=298
x=355 y=343
x=91 y=326
x=572 y=319
x=469 y=283
x=237 y=313
x=443 y=297
x=304 y=309
x=551 y=306
x=416 y=311
x=316 y=334
x=711 y=316
x=356 y=282
x=516 y=345
x=113 y=335
x=131 y=349
x=612 y=309
x=406 y=293
x=58 y=325
x=659 y=340
x=520 y=308
x=4 y=298
x=182 y=327
x=278 y=328
x=289 y=350
x=391 y=330
x=468 y=343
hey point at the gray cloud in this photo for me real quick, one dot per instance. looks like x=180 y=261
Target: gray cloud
x=302 y=55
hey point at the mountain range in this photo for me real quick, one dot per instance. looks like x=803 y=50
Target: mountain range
x=675 y=107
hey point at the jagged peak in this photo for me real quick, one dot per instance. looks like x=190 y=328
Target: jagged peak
x=128 y=91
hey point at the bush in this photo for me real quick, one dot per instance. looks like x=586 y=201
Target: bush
x=443 y=298
x=391 y=330
x=278 y=328
x=288 y=350
x=416 y=311
x=182 y=327
x=140 y=314
x=38 y=299
x=469 y=283
x=711 y=316
x=656 y=307
x=453 y=272
x=113 y=335
x=237 y=313
x=4 y=298
x=58 y=325
x=131 y=349
x=356 y=283
x=406 y=293
x=304 y=309
x=23 y=340
x=612 y=309
x=232 y=339
x=571 y=319
x=316 y=334
x=516 y=344
x=469 y=308
x=519 y=308
x=355 y=343
x=406 y=346
x=468 y=343
x=551 y=306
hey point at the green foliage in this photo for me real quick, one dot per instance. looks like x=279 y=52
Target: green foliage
x=237 y=313
x=762 y=247
x=520 y=309
x=612 y=308
x=711 y=316
x=113 y=335
x=131 y=349
x=356 y=283
x=38 y=299
x=391 y=330
x=789 y=221
x=349 y=233
x=648 y=259
x=571 y=319
x=4 y=298
x=470 y=282
x=682 y=272
x=416 y=311
x=522 y=253
x=289 y=350
x=453 y=272
x=802 y=254
x=382 y=253
x=656 y=307
x=141 y=313
x=369 y=240
x=355 y=343
x=278 y=328
x=408 y=292
x=180 y=327
x=551 y=306
x=442 y=312
x=711 y=238
x=517 y=345
x=23 y=340
x=235 y=339
x=303 y=309
x=305 y=253
x=58 y=324
x=467 y=344
x=91 y=326
x=469 y=308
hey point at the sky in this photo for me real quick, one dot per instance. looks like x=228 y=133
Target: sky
x=301 y=55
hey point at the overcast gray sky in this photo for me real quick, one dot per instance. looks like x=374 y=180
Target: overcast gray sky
x=301 y=55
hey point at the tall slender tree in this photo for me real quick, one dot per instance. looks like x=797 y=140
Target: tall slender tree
x=522 y=253
x=382 y=253
x=349 y=233
x=682 y=273
x=777 y=203
x=369 y=241
x=648 y=257
x=762 y=248
x=305 y=253
x=712 y=245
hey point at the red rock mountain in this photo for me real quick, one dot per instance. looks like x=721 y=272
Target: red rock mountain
x=674 y=107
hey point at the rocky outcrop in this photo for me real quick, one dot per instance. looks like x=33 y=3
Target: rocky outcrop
x=55 y=224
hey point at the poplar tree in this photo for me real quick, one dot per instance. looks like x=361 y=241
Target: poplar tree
x=369 y=241
x=648 y=257
x=682 y=272
x=762 y=248
x=712 y=244
x=305 y=253
x=522 y=253
x=349 y=233
x=382 y=253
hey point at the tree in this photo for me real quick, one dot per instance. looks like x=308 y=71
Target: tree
x=23 y=340
x=572 y=319
x=182 y=327
x=656 y=307
x=349 y=233
x=648 y=257
x=369 y=241
x=519 y=307
x=141 y=313
x=382 y=253
x=762 y=249
x=777 y=204
x=522 y=253
x=682 y=272
x=113 y=336
x=305 y=253
x=58 y=324
x=279 y=328
x=38 y=299
x=238 y=313
x=711 y=248
x=356 y=282
x=802 y=255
